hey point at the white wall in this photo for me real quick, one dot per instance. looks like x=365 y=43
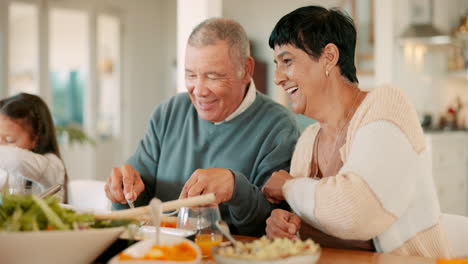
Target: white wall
x=26 y=44
x=189 y=14
x=258 y=18
x=145 y=65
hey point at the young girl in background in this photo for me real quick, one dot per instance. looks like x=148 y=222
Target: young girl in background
x=29 y=153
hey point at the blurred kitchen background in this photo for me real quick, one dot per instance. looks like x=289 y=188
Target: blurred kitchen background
x=104 y=65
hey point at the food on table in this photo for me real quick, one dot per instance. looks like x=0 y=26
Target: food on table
x=178 y=252
x=207 y=241
x=168 y=221
x=266 y=249
x=168 y=224
x=452 y=261
x=31 y=213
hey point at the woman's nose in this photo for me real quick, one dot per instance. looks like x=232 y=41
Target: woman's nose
x=279 y=77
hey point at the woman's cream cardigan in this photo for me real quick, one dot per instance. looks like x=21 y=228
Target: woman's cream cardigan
x=384 y=191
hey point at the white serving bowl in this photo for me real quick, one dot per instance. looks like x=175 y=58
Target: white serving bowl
x=71 y=246
x=144 y=246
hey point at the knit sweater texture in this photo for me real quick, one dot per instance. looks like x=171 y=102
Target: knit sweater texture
x=252 y=145
x=384 y=191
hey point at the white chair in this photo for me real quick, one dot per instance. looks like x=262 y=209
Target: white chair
x=457 y=233
x=88 y=194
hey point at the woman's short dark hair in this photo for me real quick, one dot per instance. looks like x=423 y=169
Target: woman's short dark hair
x=311 y=28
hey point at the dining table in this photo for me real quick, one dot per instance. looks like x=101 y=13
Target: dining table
x=341 y=256
x=327 y=256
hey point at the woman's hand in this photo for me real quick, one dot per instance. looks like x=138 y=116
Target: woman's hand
x=282 y=223
x=273 y=188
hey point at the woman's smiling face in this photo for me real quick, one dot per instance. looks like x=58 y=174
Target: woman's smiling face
x=301 y=76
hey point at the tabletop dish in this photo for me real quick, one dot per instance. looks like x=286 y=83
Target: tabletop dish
x=264 y=250
x=68 y=246
x=35 y=230
x=145 y=232
x=141 y=248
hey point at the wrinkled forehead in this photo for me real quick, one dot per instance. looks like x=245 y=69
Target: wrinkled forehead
x=210 y=56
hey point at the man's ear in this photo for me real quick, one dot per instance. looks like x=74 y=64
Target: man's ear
x=330 y=55
x=248 y=69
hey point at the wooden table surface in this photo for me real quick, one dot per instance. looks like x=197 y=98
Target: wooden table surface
x=339 y=256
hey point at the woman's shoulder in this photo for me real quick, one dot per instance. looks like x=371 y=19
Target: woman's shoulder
x=390 y=104
x=311 y=130
x=390 y=94
x=307 y=136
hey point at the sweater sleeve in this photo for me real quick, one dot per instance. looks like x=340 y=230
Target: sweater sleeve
x=360 y=202
x=145 y=161
x=45 y=170
x=248 y=207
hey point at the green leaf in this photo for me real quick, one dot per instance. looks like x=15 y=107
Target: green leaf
x=53 y=218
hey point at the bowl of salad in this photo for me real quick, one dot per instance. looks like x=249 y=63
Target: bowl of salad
x=35 y=230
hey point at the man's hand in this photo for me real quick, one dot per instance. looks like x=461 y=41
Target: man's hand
x=273 y=188
x=124 y=183
x=282 y=223
x=217 y=181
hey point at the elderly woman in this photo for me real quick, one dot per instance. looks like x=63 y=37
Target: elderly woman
x=360 y=177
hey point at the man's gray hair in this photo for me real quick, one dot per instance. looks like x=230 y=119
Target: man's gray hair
x=214 y=29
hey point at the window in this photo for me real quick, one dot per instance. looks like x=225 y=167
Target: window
x=68 y=40
x=108 y=38
x=23 y=48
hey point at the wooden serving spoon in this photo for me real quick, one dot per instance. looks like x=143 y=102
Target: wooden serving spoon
x=142 y=211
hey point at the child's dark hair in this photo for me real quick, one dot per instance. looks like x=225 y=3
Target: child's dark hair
x=32 y=112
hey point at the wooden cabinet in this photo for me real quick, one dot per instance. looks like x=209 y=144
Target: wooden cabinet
x=449 y=153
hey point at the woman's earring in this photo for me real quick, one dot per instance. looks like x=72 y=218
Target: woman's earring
x=327 y=73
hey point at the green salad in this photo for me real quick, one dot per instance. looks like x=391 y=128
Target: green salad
x=31 y=213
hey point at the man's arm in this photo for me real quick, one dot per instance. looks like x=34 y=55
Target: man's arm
x=145 y=161
x=248 y=206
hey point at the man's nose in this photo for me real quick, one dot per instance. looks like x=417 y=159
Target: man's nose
x=279 y=77
x=200 y=88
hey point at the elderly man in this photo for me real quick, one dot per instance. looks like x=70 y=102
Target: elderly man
x=221 y=137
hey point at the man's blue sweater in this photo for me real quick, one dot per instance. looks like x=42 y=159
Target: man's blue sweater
x=252 y=145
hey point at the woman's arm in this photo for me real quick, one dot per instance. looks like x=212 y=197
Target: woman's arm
x=273 y=188
x=325 y=240
x=360 y=202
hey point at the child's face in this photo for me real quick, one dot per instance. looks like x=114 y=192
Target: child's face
x=14 y=134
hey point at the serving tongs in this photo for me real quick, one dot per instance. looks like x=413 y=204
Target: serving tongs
x=51 y=191
x=142 y=212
